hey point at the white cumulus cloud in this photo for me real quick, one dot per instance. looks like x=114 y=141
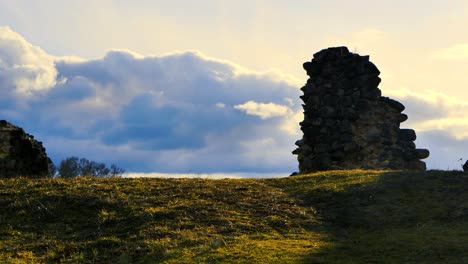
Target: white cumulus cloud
x=264 y=110
x=173 y=113
x=24 y=68
x=441 y=125
x=434 y=110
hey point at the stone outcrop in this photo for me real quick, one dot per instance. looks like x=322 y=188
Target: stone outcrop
x=465 y=166
x=21 y=154
x=347 y=123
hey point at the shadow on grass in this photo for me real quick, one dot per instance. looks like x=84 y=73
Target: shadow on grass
x=391 y=217
x=67 y=221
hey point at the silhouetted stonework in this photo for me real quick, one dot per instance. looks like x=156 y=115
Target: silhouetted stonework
x=21 y=154
x=347 y=123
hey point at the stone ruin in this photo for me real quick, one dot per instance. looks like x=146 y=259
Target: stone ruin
x=347 y=123
x=21 y=154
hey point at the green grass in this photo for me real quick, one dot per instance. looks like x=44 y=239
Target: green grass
x=326 y=217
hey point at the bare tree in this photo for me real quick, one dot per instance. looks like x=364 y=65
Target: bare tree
x=74 y=166
x=69 y=167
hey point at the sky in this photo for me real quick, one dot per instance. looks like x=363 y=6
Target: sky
x=212 y=87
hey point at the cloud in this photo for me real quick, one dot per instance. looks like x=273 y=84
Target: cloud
x=173 y=113
x=456 y=52
x=434 y=110
x=264 y=110
x=441 y=125
x=446 y=150
x=24 y=68
x=184 y=112
x=220 y=105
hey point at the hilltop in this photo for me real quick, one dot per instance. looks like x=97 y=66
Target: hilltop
x=327 y=217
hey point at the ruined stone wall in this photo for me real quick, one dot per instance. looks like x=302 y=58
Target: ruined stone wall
x=21 y=154
x=347 y=123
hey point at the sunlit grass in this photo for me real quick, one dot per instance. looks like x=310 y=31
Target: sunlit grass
x=326 y=217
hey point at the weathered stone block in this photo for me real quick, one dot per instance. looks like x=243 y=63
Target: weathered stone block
x=402 y=118
x=407 y=135
x=422 y=153
x=395 y=104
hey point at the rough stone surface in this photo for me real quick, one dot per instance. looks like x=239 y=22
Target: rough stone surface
x=347 y=123
x=465 y=167
x=21 y=154
x=218 y=243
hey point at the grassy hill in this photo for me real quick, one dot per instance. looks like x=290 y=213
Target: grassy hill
x=327 y=217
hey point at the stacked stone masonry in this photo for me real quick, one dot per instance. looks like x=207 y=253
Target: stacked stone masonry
x=347 y=123
x=21 y=154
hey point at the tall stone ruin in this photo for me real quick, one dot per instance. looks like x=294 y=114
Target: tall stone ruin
x=347 y=123
x=21 y=154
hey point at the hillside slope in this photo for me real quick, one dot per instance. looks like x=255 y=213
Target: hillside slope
x=328 y=217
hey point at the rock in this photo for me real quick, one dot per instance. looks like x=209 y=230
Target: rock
x=346 y=138
x=373 y=135
x=323 y=162
x=371 y=68
x=371 y=93
x=300 y=142
x=416 y=165
x=327 y=111
x=337 y=155
x=374 y=81
x=311 y=131
x=351 y=147
x=345 y=126
x=407 y=135
x=21 y=154
x=322 y=148
x=347 y=123
x=395 y=104
x=465 y=167
x=218 y=243
x=363 y=105
x=402 y=118
x=306 y=149
x=330 y=53
x=422 y=153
